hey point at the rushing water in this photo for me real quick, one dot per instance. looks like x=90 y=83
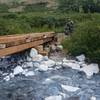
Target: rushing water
x=44 y=84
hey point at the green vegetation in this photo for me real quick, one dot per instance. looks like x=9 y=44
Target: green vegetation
x=79 y=6
x=3 y=8
x=36 y=7
x=15 y=23
x=85 y=40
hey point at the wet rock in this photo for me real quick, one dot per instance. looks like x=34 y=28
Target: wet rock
x=90 y=70
x=54 y=98
x=36 y=64
x=49 y=63
x=69 y=88
x=29 y=73
x=93 y=98
x=81 y=58
x=59 y=63
x=11 y=75
x=18 y=70
x=29 y=64
x=7 y=78
x=29 y=59
x=43 y=67
x=48 y=81
x=72 y=65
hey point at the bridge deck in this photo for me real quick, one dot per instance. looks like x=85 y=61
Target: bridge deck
x=16 y=43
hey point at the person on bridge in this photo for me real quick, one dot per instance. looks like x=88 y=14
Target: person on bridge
x=69 y=27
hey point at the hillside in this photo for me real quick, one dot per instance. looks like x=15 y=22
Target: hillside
x=19 y=5
x=9 y=2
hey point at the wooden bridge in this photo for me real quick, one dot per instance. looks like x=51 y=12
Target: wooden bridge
x=11 y=44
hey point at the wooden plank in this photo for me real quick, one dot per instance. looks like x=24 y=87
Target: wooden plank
x=16 y=43
x=12 y=38
x=15 y=49
x=47 y=39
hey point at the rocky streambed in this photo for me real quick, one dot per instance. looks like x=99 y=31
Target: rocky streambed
x=31 y=76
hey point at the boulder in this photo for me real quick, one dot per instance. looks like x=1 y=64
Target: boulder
x=45 y=58
x=69 y=88
x=7 y=78
x=11 y=75
x=58 y=97
x=49 y=63
x=72 y=65
x=36 y=64
x=29 y=64
x=18 y=70
x=81 y=58
x=33 y=52
x=90 y=70
x=29 y=73
x=59 y=63
x=48 y=81
x=43 y=67
x=37 y=58
x=93 y=98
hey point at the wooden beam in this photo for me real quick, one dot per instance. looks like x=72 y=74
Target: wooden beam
x=15 y=49
x=12 y=38
x=11 y=44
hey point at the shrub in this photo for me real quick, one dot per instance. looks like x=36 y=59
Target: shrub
x=86 y=39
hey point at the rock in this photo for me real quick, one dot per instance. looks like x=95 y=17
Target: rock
x=29 y=64
x=45 y=58
x=11 y=75
x=29 y=59
x=58 y=97
x=69 y=61
x=37 y=58
x=49 y=63
x=18 y=70
x=48 y=81
x=25 y=71
x=36 y=64
x=90 y=70
x=69 y=88
x=58 y=67
x=33 y=52
x=59 y=63
x=72 y=65
x=93 y=98
x=59 y=47
x=30 y=73
x=7 y=78
x=63 y=95
x=81 y=58
x=43 y=67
